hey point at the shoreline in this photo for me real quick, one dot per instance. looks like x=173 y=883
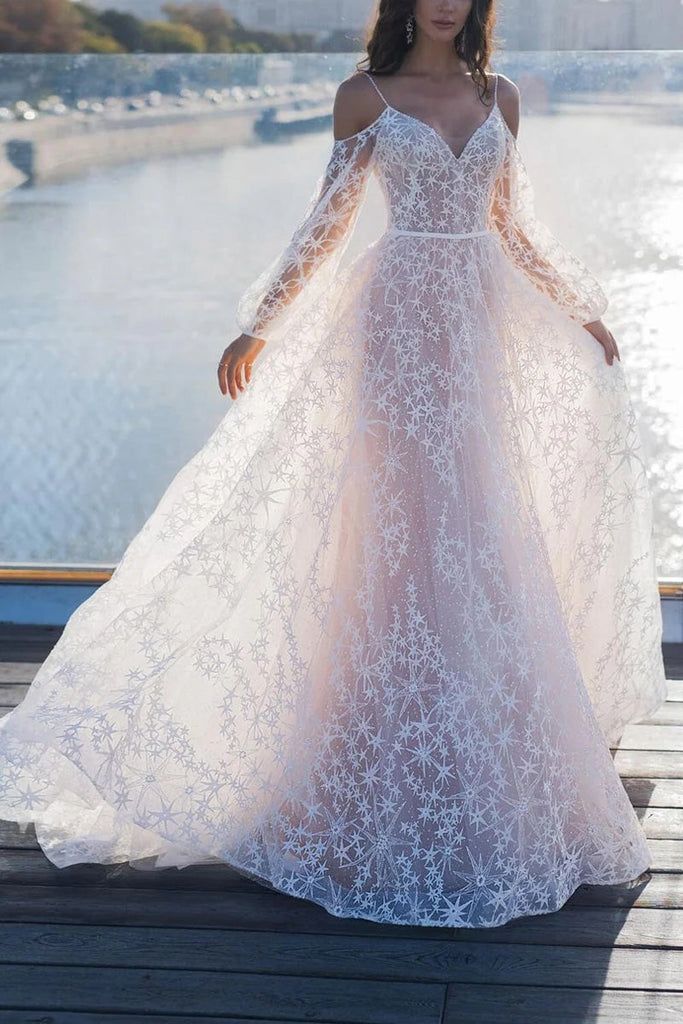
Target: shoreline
x=52 y=150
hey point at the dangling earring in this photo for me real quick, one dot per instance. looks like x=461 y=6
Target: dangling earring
x=410 y=29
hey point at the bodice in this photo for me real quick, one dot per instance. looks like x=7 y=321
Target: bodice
x=427 y=187
x=484 y=191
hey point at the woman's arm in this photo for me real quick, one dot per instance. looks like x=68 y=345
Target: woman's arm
x=531 y=246
x=320 y=240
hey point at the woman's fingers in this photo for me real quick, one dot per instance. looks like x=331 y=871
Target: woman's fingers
x=232 y=381
x=616 y=349
x=235 y=366
x=226 y=376
x=605 y=338
x=229 y=376
x=609 y=354
x=223 y=375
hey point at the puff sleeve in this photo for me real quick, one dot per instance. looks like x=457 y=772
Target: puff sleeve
x=310 y=259
x=533 y=248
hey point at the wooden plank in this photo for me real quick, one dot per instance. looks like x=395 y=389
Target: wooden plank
x=118 y=990
x=18 y=671
x=31 y=867
x=499 y=1004
x=12 y=836
x=12 y=694
x=651 y=764
x=661 y=891
x=483 y=1008
x=360 y=957
x=655 y=792
x=667 y=854
x=587 y=926
x=27 y=643
x=661 y=823
x=270 y=911
x=43 y=1016
x=673 y=659
x=674 y=689
x=265 y=910
x=652 y=737
x=668 y=713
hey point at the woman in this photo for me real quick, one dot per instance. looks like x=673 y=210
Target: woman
x=371 y=647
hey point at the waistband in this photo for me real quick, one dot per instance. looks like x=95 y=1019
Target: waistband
x=438 y=234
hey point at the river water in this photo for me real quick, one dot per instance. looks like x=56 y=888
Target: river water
x=118 y=289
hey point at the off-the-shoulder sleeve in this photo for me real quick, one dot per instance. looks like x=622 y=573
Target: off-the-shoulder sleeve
x=318 y=243
x=534 y=249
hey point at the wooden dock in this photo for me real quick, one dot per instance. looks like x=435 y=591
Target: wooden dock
x=106 y=944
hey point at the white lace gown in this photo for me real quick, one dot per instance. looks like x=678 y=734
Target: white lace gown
x=373 y=644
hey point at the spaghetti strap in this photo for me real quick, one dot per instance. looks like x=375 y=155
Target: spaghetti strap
x=495 y=89
x=377 y=89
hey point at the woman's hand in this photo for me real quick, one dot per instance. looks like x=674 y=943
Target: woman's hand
x=234 y=369
x=605 y=338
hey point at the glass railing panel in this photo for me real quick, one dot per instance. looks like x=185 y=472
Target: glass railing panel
x=142 y=219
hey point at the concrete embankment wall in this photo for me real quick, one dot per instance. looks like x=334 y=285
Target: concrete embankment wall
x=53 y=151
x=10 y=176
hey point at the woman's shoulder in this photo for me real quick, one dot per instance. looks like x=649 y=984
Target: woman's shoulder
x=508 y=96
x=506 y=87
x=356 y=105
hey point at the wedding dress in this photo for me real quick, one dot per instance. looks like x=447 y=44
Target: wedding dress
x=373 y=644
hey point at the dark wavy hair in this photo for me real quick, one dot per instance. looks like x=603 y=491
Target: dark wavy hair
x=386 y=43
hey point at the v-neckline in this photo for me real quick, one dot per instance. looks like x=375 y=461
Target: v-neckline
x=456 y=157
x=430 y=127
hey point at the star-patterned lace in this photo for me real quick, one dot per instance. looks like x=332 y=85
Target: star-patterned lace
x=372 y=644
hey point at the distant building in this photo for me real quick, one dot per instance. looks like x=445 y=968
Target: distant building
x=658 y=24
x=150 y=10
x=590 y=24
x=318 y=16
x=522 y=24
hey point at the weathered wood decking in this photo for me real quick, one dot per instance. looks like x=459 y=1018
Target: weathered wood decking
x=95 y=944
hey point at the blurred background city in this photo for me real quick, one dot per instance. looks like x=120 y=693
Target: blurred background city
x=155 y=157
x=110 y=26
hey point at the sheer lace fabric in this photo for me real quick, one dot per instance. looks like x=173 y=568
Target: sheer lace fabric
x=373 y=643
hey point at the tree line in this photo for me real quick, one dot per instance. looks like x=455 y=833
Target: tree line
x=63 y=26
